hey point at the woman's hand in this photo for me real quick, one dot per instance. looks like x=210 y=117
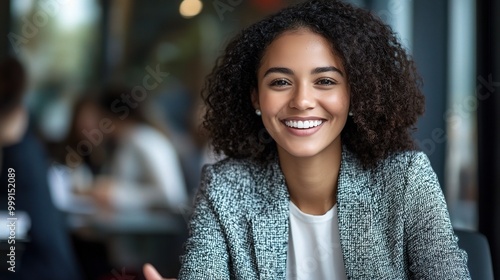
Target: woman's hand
x=151 y=274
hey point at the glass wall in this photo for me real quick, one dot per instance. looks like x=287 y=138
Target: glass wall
x=59 y=43
x=461 y=115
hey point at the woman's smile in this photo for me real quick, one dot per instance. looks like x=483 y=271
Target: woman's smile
x=303 y=126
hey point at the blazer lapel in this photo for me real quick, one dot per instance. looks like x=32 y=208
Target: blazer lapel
x=356 y=206
x=269 y=227
x=270 y=238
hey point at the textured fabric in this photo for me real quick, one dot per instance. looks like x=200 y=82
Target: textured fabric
x=393 y=222
x=314 y=246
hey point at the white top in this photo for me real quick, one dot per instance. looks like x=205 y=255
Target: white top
x=314 y=246
x=148 y=171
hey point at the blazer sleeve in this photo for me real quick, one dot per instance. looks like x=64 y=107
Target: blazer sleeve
x=431 y=244
x=206 y=252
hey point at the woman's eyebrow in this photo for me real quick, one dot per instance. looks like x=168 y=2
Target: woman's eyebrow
x=281 y=70
x=318 y=70
x=327 y=69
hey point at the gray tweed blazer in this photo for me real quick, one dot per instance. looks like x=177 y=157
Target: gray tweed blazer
x=393 y=222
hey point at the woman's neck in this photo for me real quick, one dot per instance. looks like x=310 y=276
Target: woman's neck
x=312 y=181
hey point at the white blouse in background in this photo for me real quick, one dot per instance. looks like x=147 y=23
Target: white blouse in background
x=148 y=172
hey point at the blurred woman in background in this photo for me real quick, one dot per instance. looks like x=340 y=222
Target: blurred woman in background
x=142 y=183
x=144 y=170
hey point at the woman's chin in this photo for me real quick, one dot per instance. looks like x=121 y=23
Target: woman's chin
x=301 y=152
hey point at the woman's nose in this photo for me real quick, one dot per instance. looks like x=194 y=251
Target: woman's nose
x=303 y=98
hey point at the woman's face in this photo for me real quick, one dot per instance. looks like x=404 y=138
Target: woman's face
x=87 y=117
x=302 y=93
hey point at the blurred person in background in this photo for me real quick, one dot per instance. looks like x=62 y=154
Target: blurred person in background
x=78 y=159
x=118 y=158
x=86 y=114
x=144 y=169
x=48 y=253
x=13 y=115
x=73 y=174
x=139 y=190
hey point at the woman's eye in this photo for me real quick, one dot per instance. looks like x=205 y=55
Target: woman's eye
x=280 y=83
x=326 y=82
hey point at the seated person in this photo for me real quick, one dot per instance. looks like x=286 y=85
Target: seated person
x=48 y=254
x=314 y=108
x=144 y=170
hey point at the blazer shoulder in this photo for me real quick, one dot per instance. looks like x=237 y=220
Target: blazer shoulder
x=405 y=160
x=233 y=178
x=401 y=171
x=229 y=166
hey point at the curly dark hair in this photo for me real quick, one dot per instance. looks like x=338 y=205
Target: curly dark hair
x=386 y=99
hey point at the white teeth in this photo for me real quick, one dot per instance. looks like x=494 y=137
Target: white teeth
x=303 y=124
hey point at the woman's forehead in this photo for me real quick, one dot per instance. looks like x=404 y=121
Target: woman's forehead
x=300 y=48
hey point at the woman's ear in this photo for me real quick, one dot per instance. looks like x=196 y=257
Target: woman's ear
x=255 y=99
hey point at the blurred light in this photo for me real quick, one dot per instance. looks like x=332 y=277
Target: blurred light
x=75 y=13
x=21 y=8
x=190 y=8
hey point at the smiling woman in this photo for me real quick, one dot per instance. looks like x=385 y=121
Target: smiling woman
x=340 y=192
x=304 y=100
x=304 y=103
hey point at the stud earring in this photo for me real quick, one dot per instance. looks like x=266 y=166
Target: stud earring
x=258 y=112
x=351 y=114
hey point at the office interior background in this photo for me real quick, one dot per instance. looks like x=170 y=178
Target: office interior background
x=71 y=47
